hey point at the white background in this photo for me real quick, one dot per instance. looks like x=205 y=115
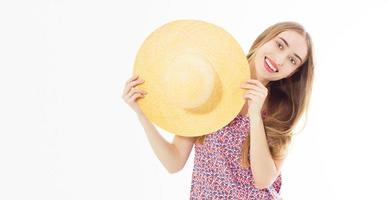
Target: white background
x=65 y=132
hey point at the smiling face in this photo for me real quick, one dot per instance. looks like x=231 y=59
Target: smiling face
x=284 y=54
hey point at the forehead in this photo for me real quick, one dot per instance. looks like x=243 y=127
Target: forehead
x=296 y=42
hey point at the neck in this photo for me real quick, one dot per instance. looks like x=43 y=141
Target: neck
x=263 y=81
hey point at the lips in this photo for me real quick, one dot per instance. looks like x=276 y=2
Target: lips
x=270 y=65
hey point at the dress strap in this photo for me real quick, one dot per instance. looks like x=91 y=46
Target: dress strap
x=274 y=193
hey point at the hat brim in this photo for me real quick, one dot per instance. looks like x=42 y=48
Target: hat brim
x=228 y=61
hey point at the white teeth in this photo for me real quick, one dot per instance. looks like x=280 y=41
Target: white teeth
x=268 y=63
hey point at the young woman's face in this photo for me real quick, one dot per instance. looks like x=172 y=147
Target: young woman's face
x=285 y=53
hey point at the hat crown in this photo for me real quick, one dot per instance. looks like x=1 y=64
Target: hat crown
x=192 y=71
x=189 y=81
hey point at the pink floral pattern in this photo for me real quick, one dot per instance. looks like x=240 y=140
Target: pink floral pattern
x=217 y=173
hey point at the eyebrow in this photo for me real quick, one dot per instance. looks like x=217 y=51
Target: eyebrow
x=288 y=46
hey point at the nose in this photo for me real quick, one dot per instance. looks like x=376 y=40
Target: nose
x=280 y=59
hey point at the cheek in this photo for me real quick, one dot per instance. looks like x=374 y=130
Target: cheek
x=257 y=61
x=290 y=72
x=284 y=74
x=270 y=47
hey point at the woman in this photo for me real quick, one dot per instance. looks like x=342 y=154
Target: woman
x=243 y=160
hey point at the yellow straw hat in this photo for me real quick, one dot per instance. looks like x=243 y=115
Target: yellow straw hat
x=192 y=71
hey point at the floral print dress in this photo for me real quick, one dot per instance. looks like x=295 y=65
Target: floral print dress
x=217 y=173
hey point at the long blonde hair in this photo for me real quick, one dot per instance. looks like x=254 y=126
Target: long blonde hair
x=288 y=98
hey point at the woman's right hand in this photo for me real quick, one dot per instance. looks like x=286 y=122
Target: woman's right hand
x=131 y=94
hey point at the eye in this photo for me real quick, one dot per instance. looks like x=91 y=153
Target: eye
x=280 y=45
x=292 y=60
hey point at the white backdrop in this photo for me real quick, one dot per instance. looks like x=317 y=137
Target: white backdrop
x=65 y=132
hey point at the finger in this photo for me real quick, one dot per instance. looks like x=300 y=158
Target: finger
x=127 y=88
x=259 y=87
x=132 y=95
x=249 y=96
x=253 y=92
x=254 y=88
x=136 y=96
x=256 y=94
x=136 y=90
x=255 y=82
x=134 y=77
x=253 y=98
x=132 y=84
x=249 y=86
x=136 y=82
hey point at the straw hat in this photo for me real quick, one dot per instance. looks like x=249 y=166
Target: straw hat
x=192 y=71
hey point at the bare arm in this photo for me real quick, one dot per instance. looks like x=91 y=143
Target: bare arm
x=172 y=155
x=264 y=169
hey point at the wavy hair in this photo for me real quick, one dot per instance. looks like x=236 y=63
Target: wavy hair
x=287 y=98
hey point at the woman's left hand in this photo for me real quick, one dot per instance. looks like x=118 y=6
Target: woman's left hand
x=256 y=95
